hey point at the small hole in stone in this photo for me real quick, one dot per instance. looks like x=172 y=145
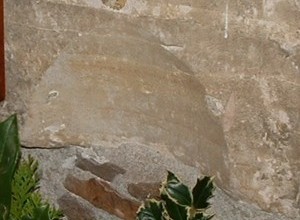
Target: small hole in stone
x=115 y=4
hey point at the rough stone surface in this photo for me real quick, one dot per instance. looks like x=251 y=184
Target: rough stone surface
x=103 y=196
x=130 y=156
x=142 y=191
x=134 y=90
x=73 y=209
x=106 y=171
x=245 y=54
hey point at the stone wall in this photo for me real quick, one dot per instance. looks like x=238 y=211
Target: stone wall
x=214 y=84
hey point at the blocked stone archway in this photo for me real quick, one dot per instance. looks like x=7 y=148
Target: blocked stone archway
x=106 y=87
x=251 y=78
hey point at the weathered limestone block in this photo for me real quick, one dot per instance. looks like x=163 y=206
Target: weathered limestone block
x=106 y=87
x=102 y=195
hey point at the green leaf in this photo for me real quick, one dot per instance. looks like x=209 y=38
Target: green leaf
x=176 y=190
x=9 y=157
x=151 y=210
x=202 y=191
x=174 y=210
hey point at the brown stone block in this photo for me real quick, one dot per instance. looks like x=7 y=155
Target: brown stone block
x=104 y=88
x=103 y=196
x=73 y=209
x=142 y=191
x=107 y=171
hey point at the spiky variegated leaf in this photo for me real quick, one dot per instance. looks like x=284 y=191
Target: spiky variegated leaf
x=176 y=190
x=179 y=203
x=9 y=157
x=202 y=191
x=150 y=210
x=174 y=210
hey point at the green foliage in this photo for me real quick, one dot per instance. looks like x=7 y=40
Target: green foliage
x=39 y=213
x=174 y=189
x=27 y=202
x=19 y=198
x=151 y=210
x=178 y=202
x=24 y=183
x=9 y=157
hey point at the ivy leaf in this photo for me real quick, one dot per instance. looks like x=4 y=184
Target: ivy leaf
x=202 y=191
x=176 y=190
